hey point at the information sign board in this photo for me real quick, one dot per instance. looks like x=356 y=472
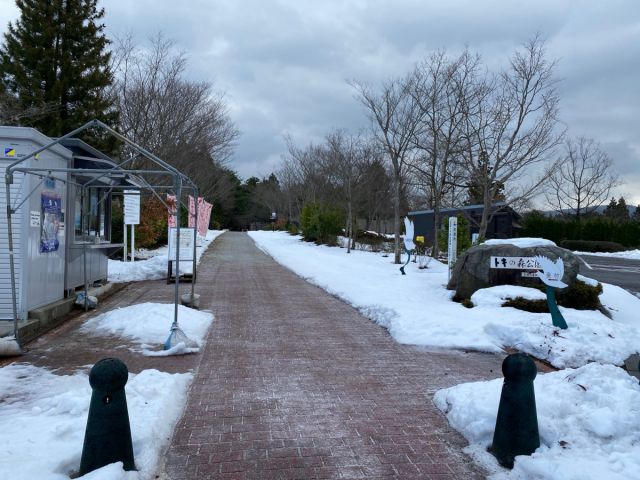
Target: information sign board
x=187 y=241
x=131 y=207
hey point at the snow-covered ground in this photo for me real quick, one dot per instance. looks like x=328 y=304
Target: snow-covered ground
x=44 y=415
x=589 y=422
x=154 y=267
x=628 y=254
x=417 y=309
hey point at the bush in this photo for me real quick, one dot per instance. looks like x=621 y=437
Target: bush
x=293 y=229
x=153 y=229
x=580 y=296
x=321 y=223
x=592 y=245
x=533 y=306
x=594 y=228
x=374 y=241
x=464 y=235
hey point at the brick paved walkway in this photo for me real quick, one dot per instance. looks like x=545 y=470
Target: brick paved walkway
x=293 y=383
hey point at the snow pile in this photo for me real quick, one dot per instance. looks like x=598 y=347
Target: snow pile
x=589 y=422
x=628 y=254
x=155 y=265
x=524 y=242
x=149 y=324
x=496 y=296
x=44 y=417
x=417 y=309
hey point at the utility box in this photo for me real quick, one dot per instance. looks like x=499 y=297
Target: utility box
x=39 y=203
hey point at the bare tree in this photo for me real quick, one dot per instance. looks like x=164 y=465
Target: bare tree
x=180 y=120
x=374 y=190
x=441 y=87
x=512 y=129
x=302 y=172
x=582 y=180
x=345 y=160
x=395 y=116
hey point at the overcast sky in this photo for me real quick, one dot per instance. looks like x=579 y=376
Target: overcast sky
x=283 y=65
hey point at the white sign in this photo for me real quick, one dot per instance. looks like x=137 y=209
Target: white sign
x=515 y=263
x=187 y=241
x=34 y=218
x=131 y=207
x=453 y=242
x=552 y=272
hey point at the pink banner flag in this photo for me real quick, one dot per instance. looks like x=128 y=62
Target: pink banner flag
x=171 y=204
x=204 y=215
x=192 y=212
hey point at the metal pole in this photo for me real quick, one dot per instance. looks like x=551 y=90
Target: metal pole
x=195 y=247
x=177 y=286
x=133 y=242
x=84 y=255
x=8 y=180
x=125 y=240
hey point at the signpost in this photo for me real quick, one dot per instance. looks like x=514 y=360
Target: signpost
x=549 y=272
x=453 y=243
x=131 y=217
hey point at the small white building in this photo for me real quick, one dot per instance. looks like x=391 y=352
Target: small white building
x=38 y=220
x=56 y=222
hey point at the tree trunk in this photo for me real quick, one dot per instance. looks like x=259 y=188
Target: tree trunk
x=349 y=231
x=484 y=220
x=436 y=228
x=396 y=218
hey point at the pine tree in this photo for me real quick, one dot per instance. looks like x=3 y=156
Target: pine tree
x=617 y=209
x=54 y=61
x=623 y=210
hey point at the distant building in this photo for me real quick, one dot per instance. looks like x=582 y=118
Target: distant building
x=504 y=223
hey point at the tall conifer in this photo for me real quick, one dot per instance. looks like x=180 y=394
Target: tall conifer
x=55 y=62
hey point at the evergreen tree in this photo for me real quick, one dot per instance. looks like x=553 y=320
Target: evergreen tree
x=623 y=210
x=617 y=209
x=54 y=62
x=636 y=214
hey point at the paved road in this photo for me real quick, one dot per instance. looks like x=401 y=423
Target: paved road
x=618 y=271
x=294 y=383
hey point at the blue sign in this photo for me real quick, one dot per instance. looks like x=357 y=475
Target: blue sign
x=52 y=217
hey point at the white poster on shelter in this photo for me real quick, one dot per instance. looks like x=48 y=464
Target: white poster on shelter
x=187 y=241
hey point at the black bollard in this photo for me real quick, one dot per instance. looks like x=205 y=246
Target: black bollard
x=516 y=430
x=108 y=435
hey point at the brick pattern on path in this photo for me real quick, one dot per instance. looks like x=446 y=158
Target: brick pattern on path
x=294 y=383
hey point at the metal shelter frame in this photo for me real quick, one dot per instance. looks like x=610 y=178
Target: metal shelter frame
x=136 y=176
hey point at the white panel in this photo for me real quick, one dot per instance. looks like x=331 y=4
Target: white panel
x=6 y=310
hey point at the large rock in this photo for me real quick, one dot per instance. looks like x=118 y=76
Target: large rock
x=472 y=270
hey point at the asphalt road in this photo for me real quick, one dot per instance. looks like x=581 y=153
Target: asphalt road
x=618 y=271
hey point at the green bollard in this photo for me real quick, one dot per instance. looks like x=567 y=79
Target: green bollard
x=516 y=430
x=108 y=435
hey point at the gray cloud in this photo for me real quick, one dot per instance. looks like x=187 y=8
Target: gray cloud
x=283 y=64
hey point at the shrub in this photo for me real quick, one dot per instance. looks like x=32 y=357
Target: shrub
x=593 y=228
x=464 y=235
x=580 y=296
x=592 y=245
x=534 y=306
x=293 y=229
x=153 y=229
x=321 y=223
